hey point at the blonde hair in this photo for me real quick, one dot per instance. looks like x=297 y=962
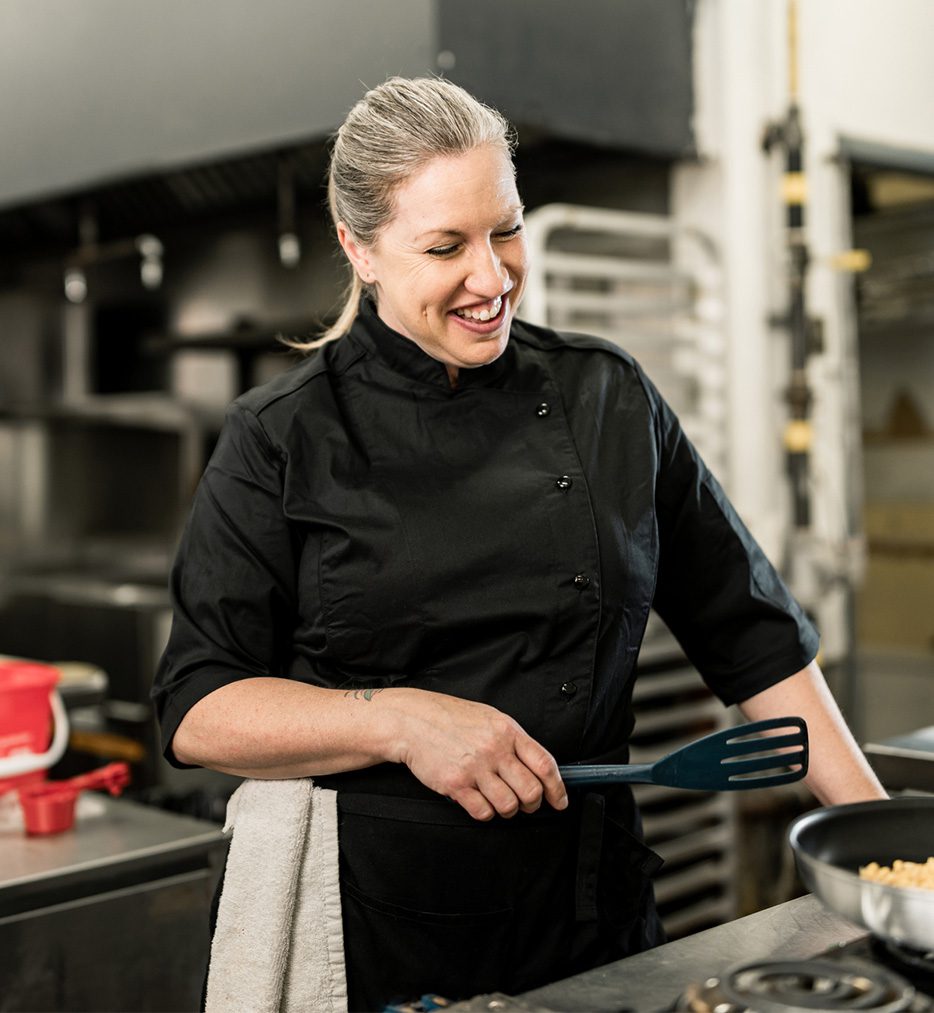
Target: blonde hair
x=391 y=133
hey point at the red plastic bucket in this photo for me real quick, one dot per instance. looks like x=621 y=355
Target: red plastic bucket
x=26 y=690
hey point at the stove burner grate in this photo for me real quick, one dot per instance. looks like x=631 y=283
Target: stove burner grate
x=907 y=960
x=802 y=986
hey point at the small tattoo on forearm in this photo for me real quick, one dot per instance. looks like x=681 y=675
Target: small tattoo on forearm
x=366 y=694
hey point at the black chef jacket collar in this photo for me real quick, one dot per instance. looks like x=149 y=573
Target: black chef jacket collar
x=404 y=356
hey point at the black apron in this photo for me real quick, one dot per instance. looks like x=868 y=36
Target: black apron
x=434 y=901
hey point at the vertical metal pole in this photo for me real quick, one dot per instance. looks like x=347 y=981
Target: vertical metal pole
x=798 y=433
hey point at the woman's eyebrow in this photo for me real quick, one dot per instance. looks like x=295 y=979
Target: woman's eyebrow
x=437 y=232
x=516 y=209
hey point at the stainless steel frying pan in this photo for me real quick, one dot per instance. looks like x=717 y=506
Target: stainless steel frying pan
x=831 y=844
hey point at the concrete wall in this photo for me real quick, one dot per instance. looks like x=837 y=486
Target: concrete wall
x=98 y=89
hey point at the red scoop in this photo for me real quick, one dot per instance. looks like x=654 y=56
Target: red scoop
x=49 y=807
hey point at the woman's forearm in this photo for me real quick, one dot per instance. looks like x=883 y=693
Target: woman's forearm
x=274 y=728
x=838 y=771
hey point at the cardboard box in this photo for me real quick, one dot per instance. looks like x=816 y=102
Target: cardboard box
x=895 y=605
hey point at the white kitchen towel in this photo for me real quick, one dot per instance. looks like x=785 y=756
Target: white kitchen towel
x=278 y=945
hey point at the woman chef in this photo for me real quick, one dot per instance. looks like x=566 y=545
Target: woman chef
x=418 y=569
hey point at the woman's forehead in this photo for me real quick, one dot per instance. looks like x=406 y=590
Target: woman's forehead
x=452 y=191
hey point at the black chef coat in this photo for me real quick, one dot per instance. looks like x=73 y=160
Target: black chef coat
x=363 y=524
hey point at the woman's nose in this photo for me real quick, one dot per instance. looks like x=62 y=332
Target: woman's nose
x=488 y=275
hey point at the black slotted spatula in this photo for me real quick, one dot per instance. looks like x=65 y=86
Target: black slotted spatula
x=733 y=759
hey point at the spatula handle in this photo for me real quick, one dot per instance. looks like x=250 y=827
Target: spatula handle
x=612 y=773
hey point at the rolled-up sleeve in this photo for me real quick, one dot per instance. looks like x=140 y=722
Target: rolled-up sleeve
x=720 y=596
x=233 y=581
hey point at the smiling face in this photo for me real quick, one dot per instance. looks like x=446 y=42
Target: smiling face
x=450 y=266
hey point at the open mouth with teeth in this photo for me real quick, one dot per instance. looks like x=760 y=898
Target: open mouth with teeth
x=483 y=316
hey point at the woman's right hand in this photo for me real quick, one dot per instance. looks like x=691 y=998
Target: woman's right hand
x=476 y=755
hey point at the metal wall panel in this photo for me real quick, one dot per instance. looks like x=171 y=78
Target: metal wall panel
x=613 y=72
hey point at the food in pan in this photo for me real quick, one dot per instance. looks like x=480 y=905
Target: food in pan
x=915 y=874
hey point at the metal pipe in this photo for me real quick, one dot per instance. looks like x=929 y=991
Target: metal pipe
x=798 y=436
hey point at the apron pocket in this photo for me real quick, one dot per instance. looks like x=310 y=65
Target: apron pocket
x=395 y=953
x=424 y=867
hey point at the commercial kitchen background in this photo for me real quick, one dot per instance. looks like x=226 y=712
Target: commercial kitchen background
x=161 y=222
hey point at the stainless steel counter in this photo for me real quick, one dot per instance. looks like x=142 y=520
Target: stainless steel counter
x=108 y=832
x=652 y=981
x=112 y=915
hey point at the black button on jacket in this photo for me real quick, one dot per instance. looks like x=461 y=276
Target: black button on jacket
x=362 y=524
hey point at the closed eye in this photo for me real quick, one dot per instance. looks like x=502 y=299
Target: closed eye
x=510 y=233
x=447 y=251
x=443 y=251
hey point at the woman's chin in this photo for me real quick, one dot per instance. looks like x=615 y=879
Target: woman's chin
x=483 y=353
